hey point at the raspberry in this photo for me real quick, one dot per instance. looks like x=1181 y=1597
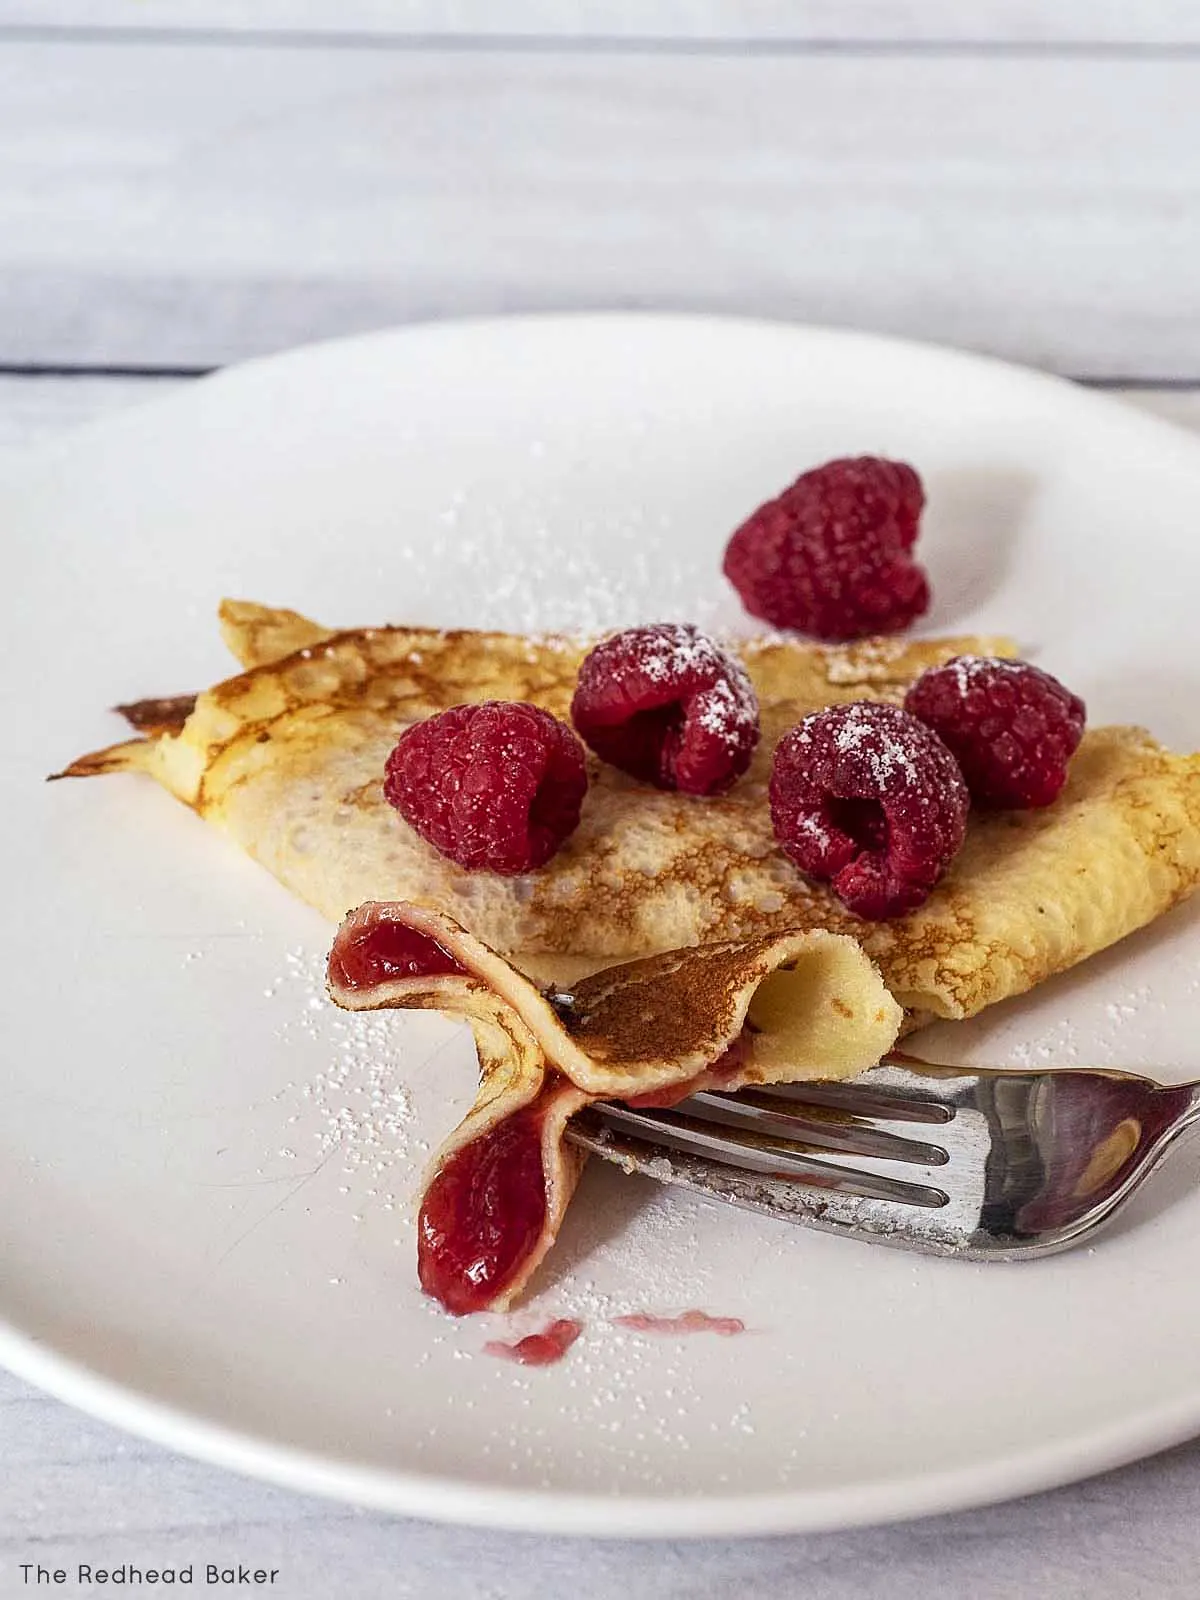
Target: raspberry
x=830 y=556
x=1012 y=726
x=868 y=799
x=666 y=705
x=496 y=786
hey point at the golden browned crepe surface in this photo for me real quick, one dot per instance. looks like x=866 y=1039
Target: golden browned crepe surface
x=288 y=758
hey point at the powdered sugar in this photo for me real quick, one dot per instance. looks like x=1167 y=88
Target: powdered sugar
x=969 y=670
x=674 y=651
x=869 y=776
x=666 y=704
x=868 y=661
x=1058 y=1046
x=814 y=826
x=730 y=708
x=363 y=1115
x=678 y=653
x=862 y=731
x=603 y=573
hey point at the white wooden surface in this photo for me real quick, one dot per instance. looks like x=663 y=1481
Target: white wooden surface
x=1087 y=22
x=188 y=203
x=187 y=182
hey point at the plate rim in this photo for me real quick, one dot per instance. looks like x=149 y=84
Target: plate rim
x=1104 y=397
x=637 y=1514
x=695 y=1517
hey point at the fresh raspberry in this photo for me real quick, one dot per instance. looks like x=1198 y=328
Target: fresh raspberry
x=496 y=786
x=868 y=799
x=1012 y=726
x=667 y=705
x=830 y=556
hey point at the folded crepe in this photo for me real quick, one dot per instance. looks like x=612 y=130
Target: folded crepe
x=769 y=1010
x=288 y=758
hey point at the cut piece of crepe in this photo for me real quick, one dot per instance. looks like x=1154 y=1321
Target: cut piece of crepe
x=288 y=758
x=770 y=1010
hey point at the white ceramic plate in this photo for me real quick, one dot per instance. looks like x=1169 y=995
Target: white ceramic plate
x=204 y=1170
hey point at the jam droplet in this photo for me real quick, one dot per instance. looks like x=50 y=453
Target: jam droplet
x=383 y=949
x=482 y=1215
x=538 y=1349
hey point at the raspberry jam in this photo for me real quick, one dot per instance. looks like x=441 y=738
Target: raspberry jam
x=538 y=1349
x=383 y=949
x=482 y=1215
x=685 y=1322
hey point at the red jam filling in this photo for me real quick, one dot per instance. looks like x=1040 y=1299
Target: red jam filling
x=686 y=1322
x=664 y=1099
x=538 y=1349
x=379 y=951
x=482 y=1215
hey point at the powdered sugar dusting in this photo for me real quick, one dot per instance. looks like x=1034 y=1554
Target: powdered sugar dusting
x=867 y=661
x=603 y=572
x=814 y=826
x=673 y=651
x=676 y=652
x=363 y=1115
x=1057 y=1047
x=970 y=670
x=862 y=731
x=666 y=704
x=730 y=708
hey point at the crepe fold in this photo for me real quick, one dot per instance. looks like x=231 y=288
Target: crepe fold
x=288 y=758
x=780 y=1008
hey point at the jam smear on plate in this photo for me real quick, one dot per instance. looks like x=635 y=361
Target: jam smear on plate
x=685 y=1322
x=538 y=1349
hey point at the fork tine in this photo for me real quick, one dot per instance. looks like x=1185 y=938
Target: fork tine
x=867 y=1096
x=816 y=1126
x=760 y=1153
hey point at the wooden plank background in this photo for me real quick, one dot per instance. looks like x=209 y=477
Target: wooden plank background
x=184 y=203
x=838 y=22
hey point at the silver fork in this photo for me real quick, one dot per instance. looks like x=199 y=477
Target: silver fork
x=980 y=1165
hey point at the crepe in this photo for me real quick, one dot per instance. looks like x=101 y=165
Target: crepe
x=794 y=1005
x=288 y=758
